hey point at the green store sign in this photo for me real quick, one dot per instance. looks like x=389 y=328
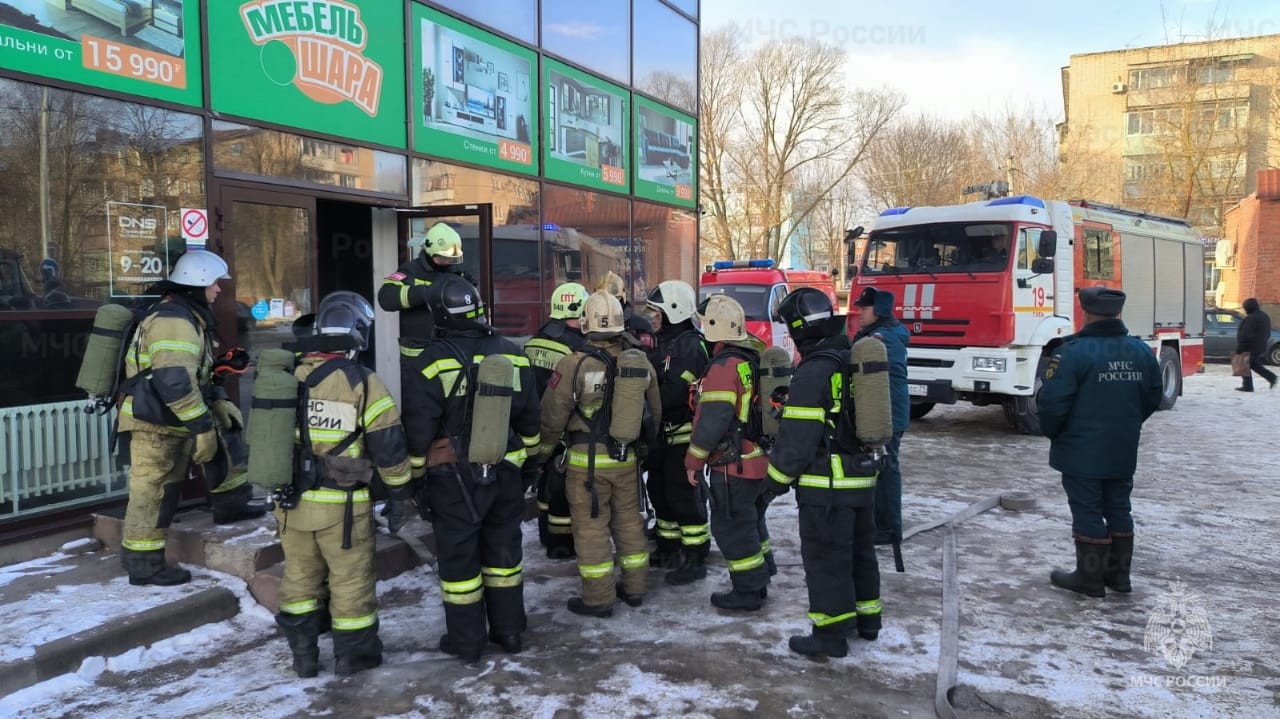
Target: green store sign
x=587 y=136
x=151 y=50
x=666 y=154
x=330 y=66
x=474 y=94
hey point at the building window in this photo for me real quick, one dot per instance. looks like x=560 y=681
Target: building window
x=1217 y=72
x=664 y=246
x=665 y=47
x=281 y=155
x=689 y=7
x=517 y=18
x=1098 y=264
x=1151 y=122
x=586 y=235
x=596 y=35
x=1224 y=118
x=1150 y=78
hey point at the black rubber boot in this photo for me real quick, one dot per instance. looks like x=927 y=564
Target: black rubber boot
x=235 y=505
x=560 y=551
x=510 y=643
x=149 y=568
x=1091 y=561
x=1118 y=563
x=631 y=600
x=771 y=563
x=820 y=645
x=738 y=601
x=302 y=632
x=448 y=646
x=693 y=568
x=577 y=606
x=665 y=559
x=356 y=650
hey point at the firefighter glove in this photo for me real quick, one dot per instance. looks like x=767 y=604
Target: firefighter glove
x=775 y=489
x=397 y=512
x=228 y=415
x=206 y=446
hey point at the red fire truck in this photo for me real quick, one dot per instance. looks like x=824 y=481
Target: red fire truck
x=759 y=287
x=987 y=290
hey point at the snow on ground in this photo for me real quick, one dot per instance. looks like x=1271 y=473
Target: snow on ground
x=1203 y=502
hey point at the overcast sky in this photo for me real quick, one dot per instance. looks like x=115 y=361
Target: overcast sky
x=953 y=58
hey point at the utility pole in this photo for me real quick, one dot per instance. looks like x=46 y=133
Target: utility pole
x=1008 y=173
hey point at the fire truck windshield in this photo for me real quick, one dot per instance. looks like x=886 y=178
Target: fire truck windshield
x=966 y=247
x=751 y=297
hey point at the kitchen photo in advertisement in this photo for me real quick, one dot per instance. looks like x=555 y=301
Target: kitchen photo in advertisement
x=136 y=46
x=587 y=133
x=474 y=95
x=666 y=154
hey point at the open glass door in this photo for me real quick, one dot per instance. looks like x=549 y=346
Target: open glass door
x=506 y=271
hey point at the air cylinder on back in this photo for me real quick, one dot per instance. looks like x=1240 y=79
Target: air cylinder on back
x=629 y=387
x=775 y=372
x=101 y=364
x=869 y=388
x=491 y=413
x=273 y=419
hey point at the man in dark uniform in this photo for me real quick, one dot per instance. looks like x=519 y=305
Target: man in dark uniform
x=683 y=532
x=1252 y=337
x=836 y=478
x=560 y=337
x=876 y=307
x=1099 y=387
x=476 y=514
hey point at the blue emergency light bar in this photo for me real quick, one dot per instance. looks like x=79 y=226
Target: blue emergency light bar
x=895 y=211
x=551 y=227
x=1018 y=200
x=742 y=264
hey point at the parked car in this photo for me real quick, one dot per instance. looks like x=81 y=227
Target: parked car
x=1220 y=327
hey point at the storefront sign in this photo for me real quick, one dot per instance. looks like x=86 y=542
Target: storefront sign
x=586 y=129
x=332 y=66
x=666 y=143
x=136 y=246
x=474 y=94
x=150 y=49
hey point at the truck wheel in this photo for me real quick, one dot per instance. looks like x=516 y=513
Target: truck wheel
x=1023 y=413
x=920 y=409
x=1170 y=377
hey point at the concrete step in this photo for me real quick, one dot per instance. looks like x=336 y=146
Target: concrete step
x=250 y=549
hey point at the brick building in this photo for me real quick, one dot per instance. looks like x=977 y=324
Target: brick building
x=1247 y=257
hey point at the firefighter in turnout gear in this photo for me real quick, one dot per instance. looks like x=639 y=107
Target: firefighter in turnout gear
x=555 y=340
x=603 y=483
x=639 y=331
x=726 y=441
x=816 y=448
x=680 y=357
x=476 y=509
x=169 y=417
x=349 y=426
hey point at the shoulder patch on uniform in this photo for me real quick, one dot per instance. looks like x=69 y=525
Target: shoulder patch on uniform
x=397 y=276
x=1052 y=368
x=555 y=380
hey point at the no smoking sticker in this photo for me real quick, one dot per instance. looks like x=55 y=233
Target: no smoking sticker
x=195 y=225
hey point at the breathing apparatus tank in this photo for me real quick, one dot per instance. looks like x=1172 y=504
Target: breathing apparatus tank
x=491 y=414
x=629 y=386
x=775 y=372
x=273 y=417
x=869 y=390
x=103 y=355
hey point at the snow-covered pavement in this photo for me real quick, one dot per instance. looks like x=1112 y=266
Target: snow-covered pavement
x=1203 y=499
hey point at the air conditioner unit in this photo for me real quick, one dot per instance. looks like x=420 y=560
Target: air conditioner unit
x=1119 y=88
x=1224 y=254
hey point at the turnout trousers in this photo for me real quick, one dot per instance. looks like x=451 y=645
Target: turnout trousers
x=158 y=466
x=681 y=509
x=555 y=526
x=738 y=524
x=840 y=568
x=606 y=520
x=1099 y=507
x=480 y=551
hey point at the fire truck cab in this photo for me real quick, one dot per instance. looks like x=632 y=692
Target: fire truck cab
x=987 y=290
x=759 y=287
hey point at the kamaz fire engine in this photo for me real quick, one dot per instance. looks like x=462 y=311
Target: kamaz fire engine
x=759 y=287
x=987 y=290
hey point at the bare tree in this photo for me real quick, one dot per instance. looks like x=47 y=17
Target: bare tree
x=673 y=88
x=921 y=161
x=768 y=116
x=831 y=215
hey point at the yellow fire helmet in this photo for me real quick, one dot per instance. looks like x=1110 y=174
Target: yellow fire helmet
x=602 y=314
x=613 y=284
x=722 y=319
x=443 y=245
x=567 y=301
